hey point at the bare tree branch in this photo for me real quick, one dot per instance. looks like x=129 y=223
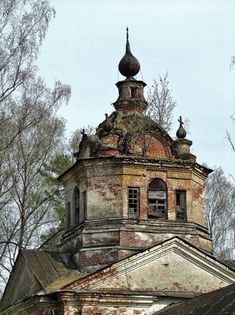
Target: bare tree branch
x=220 y=212
x=161 y=102
x=31 y=133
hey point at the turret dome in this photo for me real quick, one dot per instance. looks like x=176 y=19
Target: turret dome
x=129 y=66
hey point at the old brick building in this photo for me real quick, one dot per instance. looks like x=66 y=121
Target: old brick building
x=135 y=239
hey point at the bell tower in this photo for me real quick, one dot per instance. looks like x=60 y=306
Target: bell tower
x=132 y=185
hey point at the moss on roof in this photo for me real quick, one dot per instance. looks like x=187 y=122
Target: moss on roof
x=38 y=272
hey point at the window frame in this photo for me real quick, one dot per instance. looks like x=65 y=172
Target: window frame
x=135 y=214
x=156 y=202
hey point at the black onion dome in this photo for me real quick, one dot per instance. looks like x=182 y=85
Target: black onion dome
x=129 y=66
x=181 y=132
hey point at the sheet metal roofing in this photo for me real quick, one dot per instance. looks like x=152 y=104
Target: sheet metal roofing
x=48 y=267
x=38 y=272
x=219 y=302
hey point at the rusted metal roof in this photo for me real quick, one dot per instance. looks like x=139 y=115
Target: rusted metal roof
x=219 y=302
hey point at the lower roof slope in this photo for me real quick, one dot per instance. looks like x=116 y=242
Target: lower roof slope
x=37 y=272
x=219 y=302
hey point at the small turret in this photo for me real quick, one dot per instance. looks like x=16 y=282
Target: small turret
x=131 y=91
x=181 y=132
x=183 y=145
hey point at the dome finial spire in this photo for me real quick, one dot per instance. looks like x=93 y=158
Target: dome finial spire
x=128 y=48
x=128 y=66
x=181 y=132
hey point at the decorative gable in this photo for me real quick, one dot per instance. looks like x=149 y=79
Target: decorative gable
x=173 y=266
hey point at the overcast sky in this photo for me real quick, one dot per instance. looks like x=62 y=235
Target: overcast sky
x=191 y=39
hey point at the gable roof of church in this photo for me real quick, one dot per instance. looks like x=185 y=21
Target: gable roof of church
x=43 y=272
x=48 y=266
x=37 y=272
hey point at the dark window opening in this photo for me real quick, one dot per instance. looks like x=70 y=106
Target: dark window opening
x=157 y=199
x=68 y=214
x=84 y=205
x=134 y=92
x=76 y=205
x=133 y=202
x=181 y=205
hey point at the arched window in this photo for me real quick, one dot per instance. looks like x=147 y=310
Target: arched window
x=76 y=206
x=157 y=199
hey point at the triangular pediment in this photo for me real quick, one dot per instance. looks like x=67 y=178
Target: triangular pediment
x=173 y=266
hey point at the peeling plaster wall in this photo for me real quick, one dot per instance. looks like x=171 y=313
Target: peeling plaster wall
x=102 y=181
x=119 y=305
x=108 y=234
x=107 y=183
x=122 y=310
x=93 y=307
